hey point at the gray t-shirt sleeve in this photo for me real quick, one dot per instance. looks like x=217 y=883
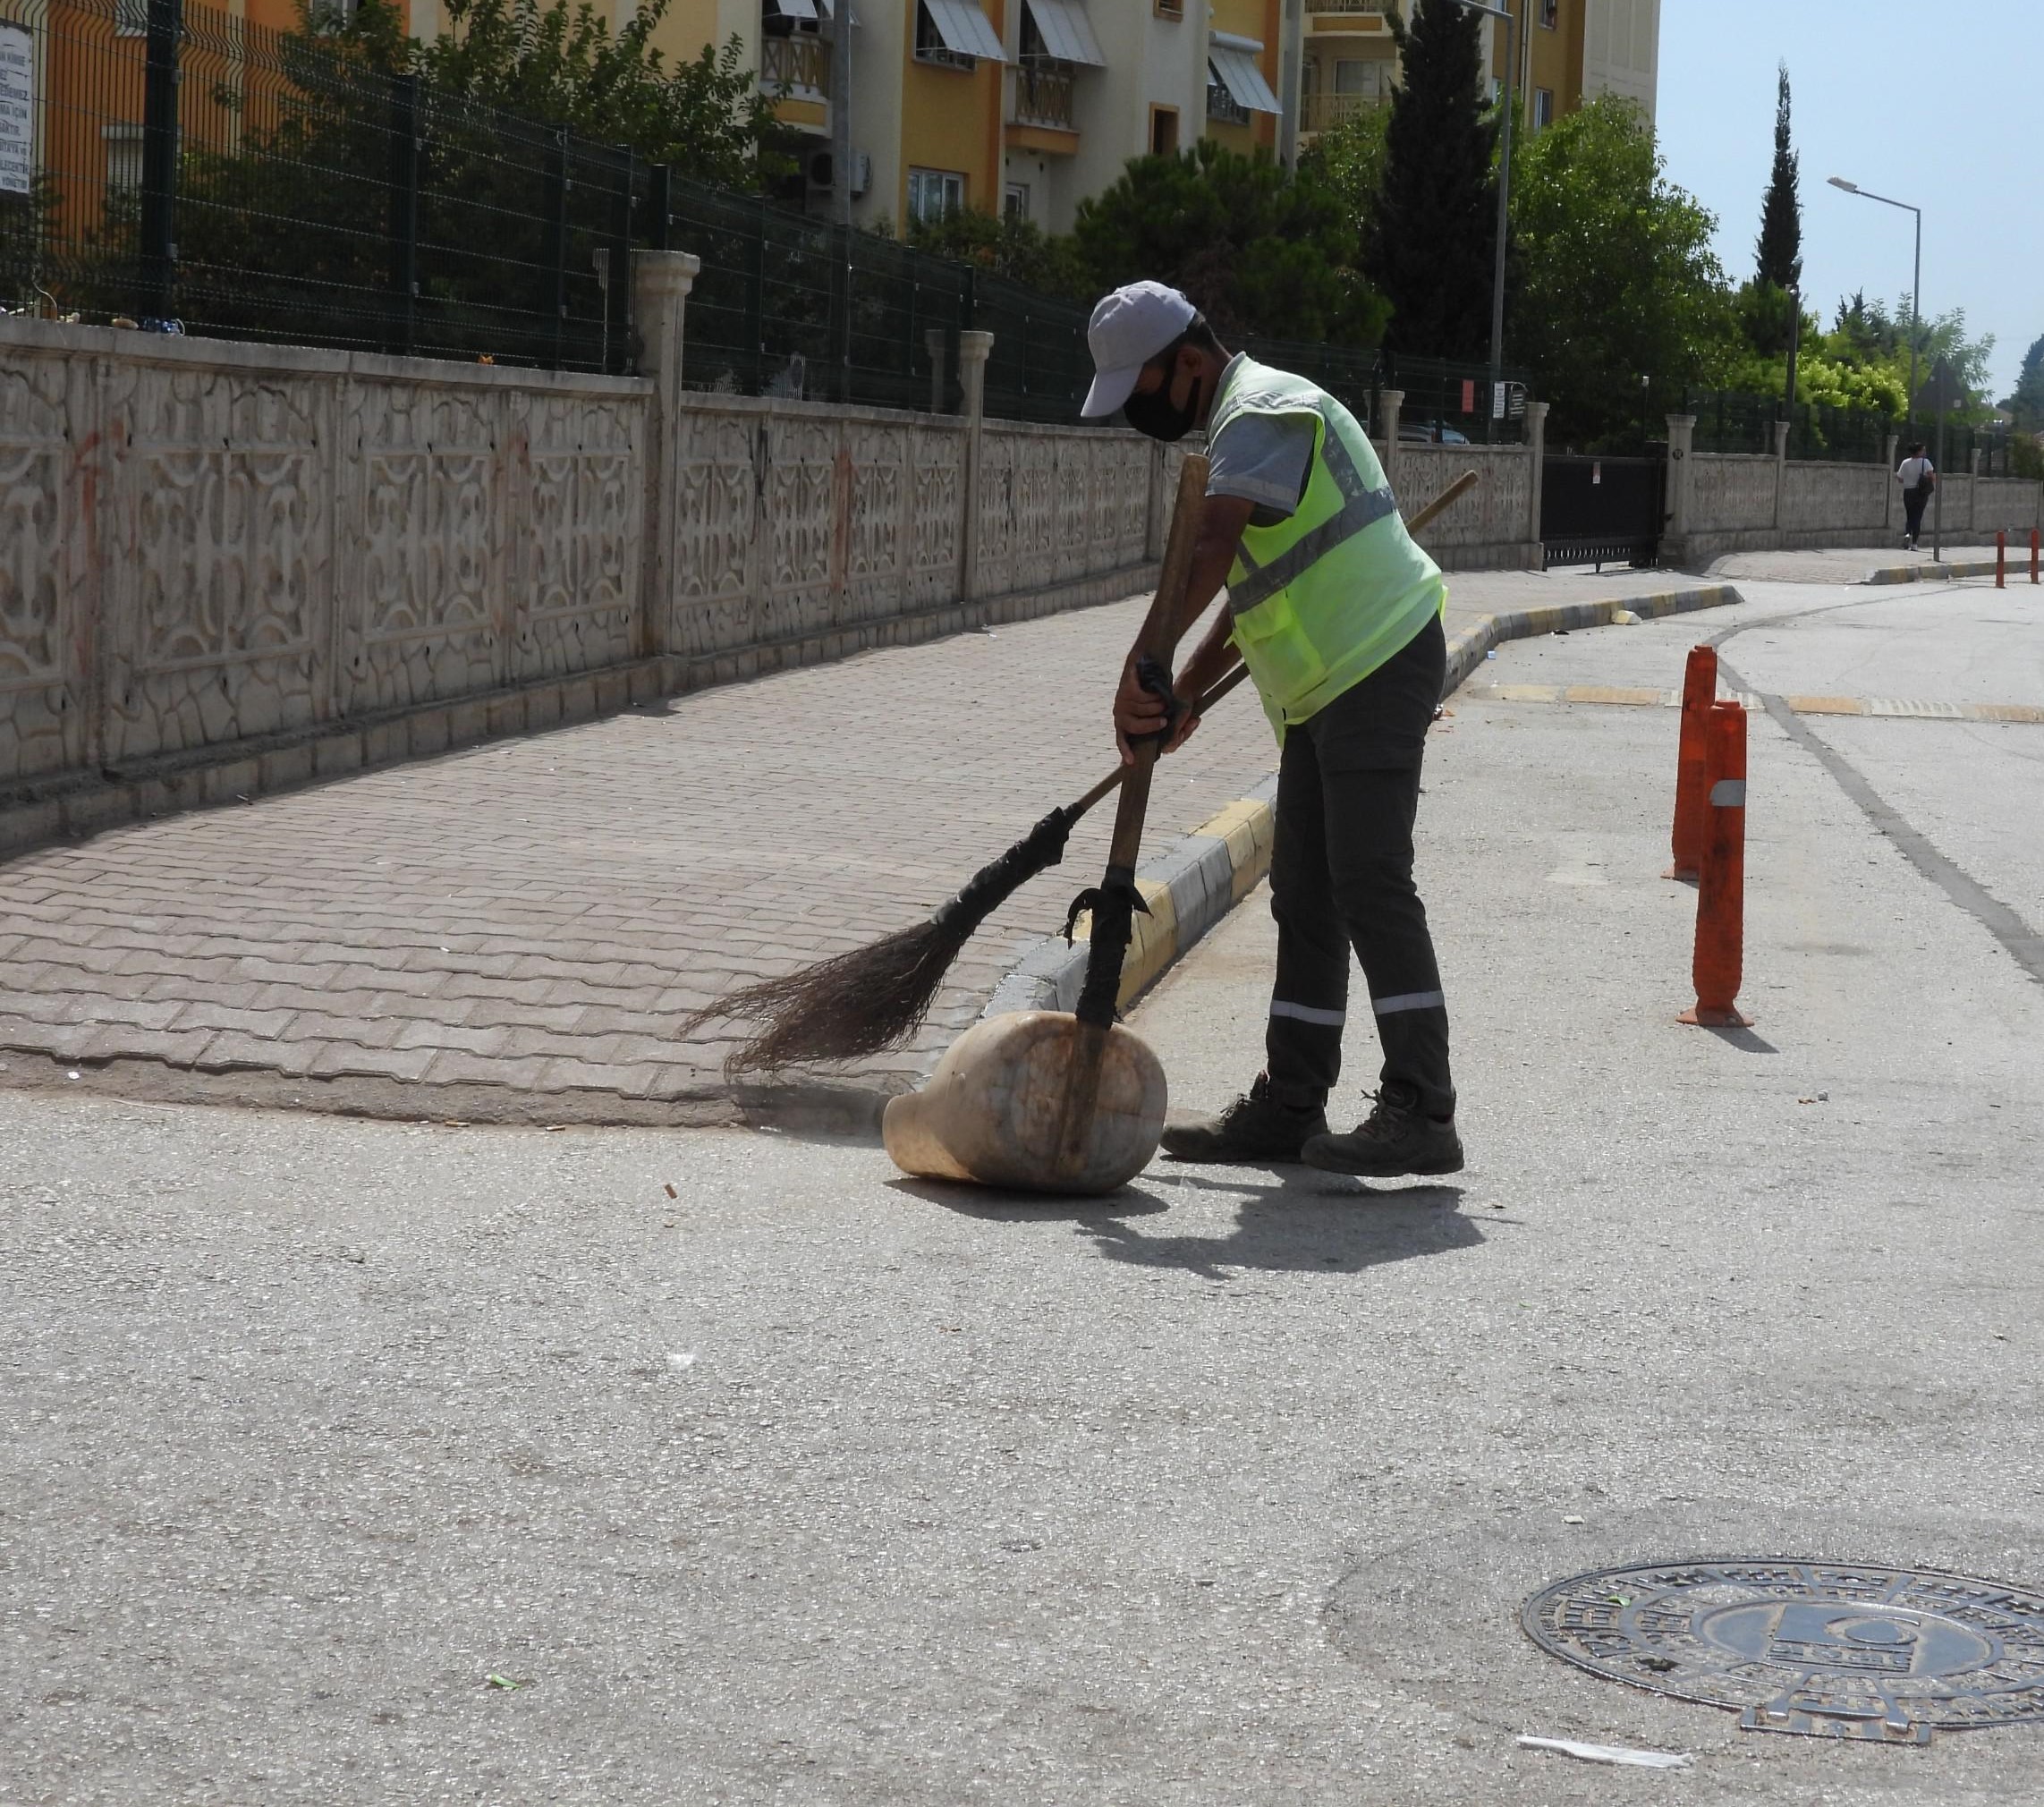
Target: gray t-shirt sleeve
x=1264 y=459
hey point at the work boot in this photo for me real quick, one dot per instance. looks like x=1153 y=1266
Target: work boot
x=1256 y=1130
x=1397 y=1138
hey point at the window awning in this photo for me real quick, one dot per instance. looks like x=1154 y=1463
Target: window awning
x=964 y=28
x=826 y=10
x=795 y=9
x=1233 y=61
x=1067 y=32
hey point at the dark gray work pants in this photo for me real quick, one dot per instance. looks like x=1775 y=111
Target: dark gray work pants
x=1341 y=877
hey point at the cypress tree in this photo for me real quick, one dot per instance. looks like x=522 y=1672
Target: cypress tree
x=1779 y=253
x=1430 y=243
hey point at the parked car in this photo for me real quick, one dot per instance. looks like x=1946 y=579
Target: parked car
x=1431 y=433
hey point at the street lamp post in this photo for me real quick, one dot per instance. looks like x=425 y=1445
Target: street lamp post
x=1915 y=281
x=1503 y=203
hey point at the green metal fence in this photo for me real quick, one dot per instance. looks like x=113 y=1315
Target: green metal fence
x=197 y=172
x=1727 y=422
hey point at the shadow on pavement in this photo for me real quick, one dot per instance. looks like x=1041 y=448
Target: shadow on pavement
x=1321 y=1224
x=1745 y=1041
x=991 y=1205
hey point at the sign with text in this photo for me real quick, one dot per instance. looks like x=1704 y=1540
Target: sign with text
x=17 y=108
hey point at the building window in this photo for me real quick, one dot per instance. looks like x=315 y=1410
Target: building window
x=1014 y=202
x=1164 y=131
x=1170 y=9
x=1550 y=14
x=935 y=193
x=123 y=159
x=1543 y=108
x=1222 y=107
x=930 y=46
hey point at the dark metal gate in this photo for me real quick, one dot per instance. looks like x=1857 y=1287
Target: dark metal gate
x=1601 y=511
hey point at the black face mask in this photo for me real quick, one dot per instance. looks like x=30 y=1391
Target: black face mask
x=1155 y=415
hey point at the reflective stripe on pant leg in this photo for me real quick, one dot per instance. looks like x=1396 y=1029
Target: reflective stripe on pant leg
x=1409 y=1000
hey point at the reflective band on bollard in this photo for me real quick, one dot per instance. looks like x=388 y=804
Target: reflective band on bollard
x=1717 y=968
x=1692 y=804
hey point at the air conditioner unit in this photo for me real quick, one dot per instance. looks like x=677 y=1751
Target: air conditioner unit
x=820 y=178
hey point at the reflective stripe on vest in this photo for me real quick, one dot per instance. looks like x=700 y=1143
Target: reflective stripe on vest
x=1362 y=507
x=1324 y=598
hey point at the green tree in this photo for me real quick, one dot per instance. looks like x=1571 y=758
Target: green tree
x=1348 y=159
x=2027 y=400
x=1618 y=277
x=1429 y=245
x=1019 y=250
x=1778 y=255
x=1259 y=249
x=706 y=117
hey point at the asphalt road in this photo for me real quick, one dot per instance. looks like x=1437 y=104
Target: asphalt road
x=810 y=1484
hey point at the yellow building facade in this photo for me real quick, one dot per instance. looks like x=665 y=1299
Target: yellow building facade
x=1028 y=106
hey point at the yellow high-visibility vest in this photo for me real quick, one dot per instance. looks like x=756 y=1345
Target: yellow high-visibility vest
x=1325 y=598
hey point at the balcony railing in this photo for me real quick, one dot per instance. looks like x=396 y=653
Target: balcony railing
x=796 y=67
x=1043 y=94
x=1376 y=6
x=1323 y=112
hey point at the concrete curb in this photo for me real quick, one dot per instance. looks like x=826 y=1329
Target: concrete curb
x=1945 y=573
x=1194 y=883
x=1189 y=887
x=1466 y=650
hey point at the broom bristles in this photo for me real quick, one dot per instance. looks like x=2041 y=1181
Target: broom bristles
x=872 y=998
x=852 y=1005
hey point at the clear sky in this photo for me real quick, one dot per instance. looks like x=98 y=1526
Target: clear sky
x=1931 y=101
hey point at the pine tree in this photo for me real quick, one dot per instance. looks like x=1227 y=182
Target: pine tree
x=2027 y=404
x=1431 y=242
x=1780 y=247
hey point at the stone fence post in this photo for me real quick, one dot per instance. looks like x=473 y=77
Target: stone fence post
x=1888 y=511
x=1974 y=494
x=1153 y=517
x=1536 y=475
x=660 y=286
x=1394 y=400
x=973 y=350
x=1781 y=469
x=1681 y=463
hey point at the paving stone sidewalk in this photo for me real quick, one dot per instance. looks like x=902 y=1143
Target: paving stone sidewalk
x=1849 y=564
x=516 y=929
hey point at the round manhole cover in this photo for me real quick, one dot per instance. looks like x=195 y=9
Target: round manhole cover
x=1822 y=1649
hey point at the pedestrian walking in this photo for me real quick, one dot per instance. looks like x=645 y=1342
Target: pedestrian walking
x=1919 y=479
x=1337 y=613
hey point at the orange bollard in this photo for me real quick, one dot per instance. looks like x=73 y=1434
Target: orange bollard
x=1692 y=792
x=1721 y=892
x=2001 y=561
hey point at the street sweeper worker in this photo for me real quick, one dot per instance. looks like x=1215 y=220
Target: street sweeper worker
x=1337 y=613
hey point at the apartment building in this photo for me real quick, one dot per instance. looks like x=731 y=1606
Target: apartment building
x=1570 y=52
x=1024 y=106
x=1028 y=106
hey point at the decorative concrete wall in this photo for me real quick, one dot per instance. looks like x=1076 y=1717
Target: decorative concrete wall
x=223 y=566
x=202 y=544
x=1496 y=526
x=1720 y=504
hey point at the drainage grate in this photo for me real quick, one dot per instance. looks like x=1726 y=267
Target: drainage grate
x=1820 y=1648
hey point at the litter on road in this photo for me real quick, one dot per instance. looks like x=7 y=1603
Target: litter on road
x=1607 y=1753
